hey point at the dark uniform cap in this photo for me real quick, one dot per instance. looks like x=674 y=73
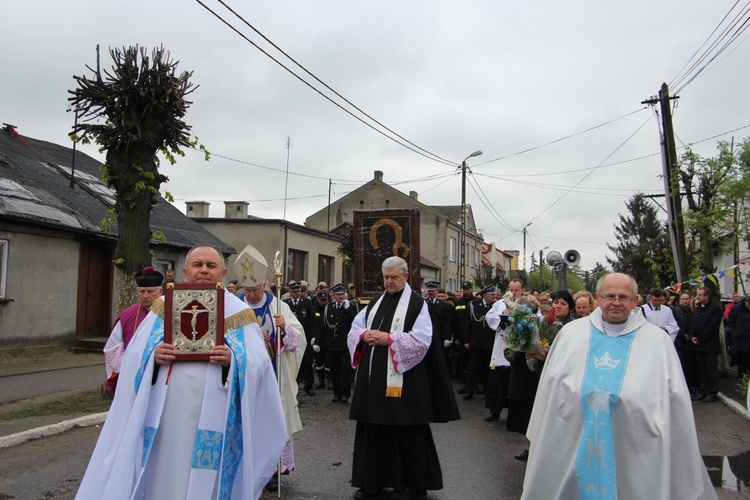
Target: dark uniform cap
x=489 y=289
x=338 y=288
x=322 y=295
x=432 y=285
x=467 y=284
x=148 y=277
x=294 y=287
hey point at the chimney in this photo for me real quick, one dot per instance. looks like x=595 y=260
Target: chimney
x=235 y=209
x=379 y=175
x=197 y=209
x=413 y=195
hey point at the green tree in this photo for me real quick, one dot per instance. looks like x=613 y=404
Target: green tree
x=134 y=111
x=642 y=243
x=715 y=191
x=709 y=215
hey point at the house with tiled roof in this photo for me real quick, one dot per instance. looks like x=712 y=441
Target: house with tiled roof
x=56 y=258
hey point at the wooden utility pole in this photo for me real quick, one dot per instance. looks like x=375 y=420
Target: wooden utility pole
x=670 y=169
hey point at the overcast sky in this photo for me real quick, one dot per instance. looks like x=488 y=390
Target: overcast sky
x=450 y=77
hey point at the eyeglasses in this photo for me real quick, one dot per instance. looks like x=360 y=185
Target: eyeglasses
x=615 y=298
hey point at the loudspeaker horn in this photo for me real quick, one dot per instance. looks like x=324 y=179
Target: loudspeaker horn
x=572 y=257
x=554 y=258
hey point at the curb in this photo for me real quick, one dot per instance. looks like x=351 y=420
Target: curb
x=48 y=430
x=734 y=406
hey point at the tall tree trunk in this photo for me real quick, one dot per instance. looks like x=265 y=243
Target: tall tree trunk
x=133 y=207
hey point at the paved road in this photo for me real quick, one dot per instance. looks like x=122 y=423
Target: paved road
x=29 y=385
x=476 y=456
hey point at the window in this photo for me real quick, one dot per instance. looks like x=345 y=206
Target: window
x=325 y=269
x=3 y=265
x=347 y=273
x=452 y=250
x=296 y=265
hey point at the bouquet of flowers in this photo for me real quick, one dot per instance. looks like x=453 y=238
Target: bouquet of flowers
x=522 y=332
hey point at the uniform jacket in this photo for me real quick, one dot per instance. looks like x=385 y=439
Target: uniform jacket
x=440 y=314
x=305 y=314
x=337 y=321
x=480 y=335
x=461 y=319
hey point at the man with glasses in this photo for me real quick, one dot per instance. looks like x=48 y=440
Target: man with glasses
x=612 y=414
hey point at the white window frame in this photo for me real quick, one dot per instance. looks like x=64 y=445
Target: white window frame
x=452 y=250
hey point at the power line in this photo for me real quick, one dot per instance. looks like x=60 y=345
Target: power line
x=727 y=36
x=588 y=174
x=560 y=139
x=408 y=144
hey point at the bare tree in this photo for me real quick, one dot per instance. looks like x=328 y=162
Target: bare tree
x=134 y=111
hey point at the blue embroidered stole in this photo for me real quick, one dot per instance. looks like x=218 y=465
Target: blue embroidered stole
x=606 y=362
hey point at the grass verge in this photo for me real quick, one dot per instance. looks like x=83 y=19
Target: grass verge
x=90 y=401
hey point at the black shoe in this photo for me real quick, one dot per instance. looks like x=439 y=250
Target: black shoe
x=336 y=399
x=345 y=399
x=699 y=397
x=461 y=390
x=468 y=396
x=273 y=484
x=492 y=417
x=419 y=494
x=404 y=494
x=523 y=456
x=711 y=398
x=361 y=494
x=309 y=391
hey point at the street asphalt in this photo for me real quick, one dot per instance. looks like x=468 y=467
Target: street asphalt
x=34 y=379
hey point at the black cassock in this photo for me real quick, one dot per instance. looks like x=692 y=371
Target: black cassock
x=393 y=445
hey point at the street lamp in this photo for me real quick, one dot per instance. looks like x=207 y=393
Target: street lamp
x=462 y=270
x=541 y=266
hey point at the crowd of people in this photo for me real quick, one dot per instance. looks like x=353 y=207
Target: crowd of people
x=391 y=360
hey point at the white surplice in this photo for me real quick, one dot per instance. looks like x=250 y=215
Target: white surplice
x=655 y=442
x=189 y=435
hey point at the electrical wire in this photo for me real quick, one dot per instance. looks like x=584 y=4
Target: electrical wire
x=408 y=144
x=587 y=175
x=560 y=139
x=727 y=37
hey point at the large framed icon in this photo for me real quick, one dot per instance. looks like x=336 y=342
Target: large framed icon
x=379 y=234
x=194 y=319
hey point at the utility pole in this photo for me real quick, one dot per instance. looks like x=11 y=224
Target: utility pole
x=672 y=183
x=462 y=236
x=524 y=244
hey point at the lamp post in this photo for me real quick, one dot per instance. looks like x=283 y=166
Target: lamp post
x=524 y=244
x=541 y=265
x=462 y=242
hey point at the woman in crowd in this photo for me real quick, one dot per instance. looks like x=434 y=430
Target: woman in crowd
x=524 y=380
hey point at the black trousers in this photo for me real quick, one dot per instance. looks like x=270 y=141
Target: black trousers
x=341 y=372
x=479 y=367
x=707 y=365
x=306 y=368
x=689 y=364
x=742 y=358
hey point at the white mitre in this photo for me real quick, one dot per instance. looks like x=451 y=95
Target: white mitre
x=250 y=267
